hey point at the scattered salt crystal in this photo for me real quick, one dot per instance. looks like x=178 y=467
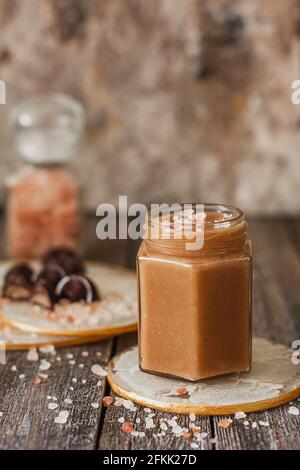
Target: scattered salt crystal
x=147 y=410
x=71 y=388
x=83 y=381
x=95 y=405
x=240 y=415
x=68 y=401
x=85 y=353
x=129 y=405
x=192 y=416
x=81 y=366
x=142 y=434
x=254 y=425
x=47 y=349
x=1 y=414
x=138 y=420
x=52 y=406
x=48 y=397
x=21 y=376
x=58 y=358
x=149 y=423
x=225 y=423
x=177 y=430
x=264 y=423
x=194 y=445
x=69 y=356
x=293 y=410
x=121 y=420
x=32 y=355
x=74 y=380
x=98 y=354
x=72 y=362
x=246 y=423
x=13 y=368
x=44 y=365
x=98 y=370
x=119 y=401
x=163 y=426
x=127 y=427
x=44 y=376
x=62 y=417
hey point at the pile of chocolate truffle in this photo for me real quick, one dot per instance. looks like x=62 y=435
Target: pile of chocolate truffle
x=61 y=279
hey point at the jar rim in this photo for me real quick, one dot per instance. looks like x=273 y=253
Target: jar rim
x=231 y=213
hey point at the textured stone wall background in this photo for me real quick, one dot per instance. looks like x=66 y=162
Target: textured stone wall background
x=186 y=99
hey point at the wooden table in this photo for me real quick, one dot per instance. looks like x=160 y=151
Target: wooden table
x=27 y=423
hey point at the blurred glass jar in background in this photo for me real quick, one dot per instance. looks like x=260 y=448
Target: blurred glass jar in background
x=43 y=201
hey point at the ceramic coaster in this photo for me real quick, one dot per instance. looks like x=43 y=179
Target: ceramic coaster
x=115 y=314
x=273 y=381
x=15 y=339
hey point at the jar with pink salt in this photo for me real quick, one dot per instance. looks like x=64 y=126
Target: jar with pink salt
x=43 y=203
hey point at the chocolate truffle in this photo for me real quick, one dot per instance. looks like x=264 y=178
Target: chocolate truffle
x=67 y=259
x=43 y=294
x=77 y=287
x=18 y=282
x=44 y=286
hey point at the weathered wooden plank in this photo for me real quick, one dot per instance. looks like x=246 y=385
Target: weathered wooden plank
x=276 y=273
x=26 y=421
x=112 y=436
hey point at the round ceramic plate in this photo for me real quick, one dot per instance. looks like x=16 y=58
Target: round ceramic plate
x=115 y=314
x=15 y=339
x=273 y=381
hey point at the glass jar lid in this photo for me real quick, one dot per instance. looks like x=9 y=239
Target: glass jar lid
x=47 y=128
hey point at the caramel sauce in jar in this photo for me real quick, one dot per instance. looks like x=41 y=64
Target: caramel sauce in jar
x=195 y=304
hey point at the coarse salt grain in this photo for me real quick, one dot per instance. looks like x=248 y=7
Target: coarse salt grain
x=47 y=349
x=293 y=410
x=192 y=417
x=62 y=417
x=44 y=365
x=69 y=356
x=246 y=423
x=74 y=380
x=52 y=406
x=37 y=381
x=225 y=423
x=85 y=353
x=95 y=405
x=149 y=423
x=138 y=420
x=13 y=368
x=240 y=415
x=32 y=355
x=119 y=401
x=21 y=376
x=72 y=362
x=68 y=401
x=98 y=370
x=107 y=401
x=127 y=427
x=83 y=381
x=264 y=423
x=121 y=420
x=81 y=366
x=254 y=425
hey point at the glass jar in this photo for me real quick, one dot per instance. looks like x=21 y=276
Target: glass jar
x=195 y=304
x=43 y=209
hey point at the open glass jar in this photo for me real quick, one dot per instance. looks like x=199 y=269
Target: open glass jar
x=43 y=195
x=195 y=304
